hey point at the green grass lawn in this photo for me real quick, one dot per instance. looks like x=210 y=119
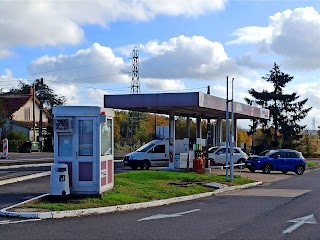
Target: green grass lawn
x=142 y=186
x=311 y=164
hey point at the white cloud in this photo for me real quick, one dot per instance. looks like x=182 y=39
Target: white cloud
x=7 y=81
x=96 y=64
x=187 y=57
x=311 y=91
x=4 y=53
x=78 y=95
x=32 y=23
x=249 y=61
x=56 y=22
x=252 y=34
x=179 y=7
x=71 y=92
x=163 y=85
x=294 y=35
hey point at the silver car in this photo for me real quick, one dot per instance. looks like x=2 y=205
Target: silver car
x=217 y=155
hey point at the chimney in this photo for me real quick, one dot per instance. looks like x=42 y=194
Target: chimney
x=31 y=90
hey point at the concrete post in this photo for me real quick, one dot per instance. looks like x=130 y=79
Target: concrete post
x=219 y=131
x=199 y=129
x=188 y=128
x=171 y=140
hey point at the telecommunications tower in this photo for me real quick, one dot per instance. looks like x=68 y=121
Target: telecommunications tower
x=133 y=117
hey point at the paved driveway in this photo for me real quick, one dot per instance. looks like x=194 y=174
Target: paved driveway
x=258 y=176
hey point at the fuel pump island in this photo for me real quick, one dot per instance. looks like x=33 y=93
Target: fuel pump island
x=83 y=150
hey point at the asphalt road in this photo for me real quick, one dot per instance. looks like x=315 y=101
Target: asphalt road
x=34 y=157
x=259 y=213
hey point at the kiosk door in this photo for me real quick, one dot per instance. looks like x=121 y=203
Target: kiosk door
x=85 y=139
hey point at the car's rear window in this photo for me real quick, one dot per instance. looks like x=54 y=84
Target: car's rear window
x=293 y=155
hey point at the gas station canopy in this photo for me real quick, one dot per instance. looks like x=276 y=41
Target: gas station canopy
x=191 y=104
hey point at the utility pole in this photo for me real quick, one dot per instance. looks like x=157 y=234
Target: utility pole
x=209 y=136
x=40 y=117
x=227 y=131
x=229 y=137
x=34 y=112
x=233 y=140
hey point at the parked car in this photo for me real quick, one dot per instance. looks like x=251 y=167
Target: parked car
x=278 y=160
x=217 y=155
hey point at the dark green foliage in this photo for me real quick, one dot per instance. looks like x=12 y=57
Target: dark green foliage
x=282 y=129
x=3 y=115
x=15 y=135
x=15 y=140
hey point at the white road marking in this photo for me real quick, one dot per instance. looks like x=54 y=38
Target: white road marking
x=19 y=221
x=299 y=222
x=159 y=216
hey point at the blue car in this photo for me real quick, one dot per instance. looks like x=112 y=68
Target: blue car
x=278 y=160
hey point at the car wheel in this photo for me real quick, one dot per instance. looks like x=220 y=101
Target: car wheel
x=299 y=170
x=145 y=164
x=212 y=162
x=251 y=169
x=241 y=161
x=134 y=167
x=284 y=172
x=267 y=168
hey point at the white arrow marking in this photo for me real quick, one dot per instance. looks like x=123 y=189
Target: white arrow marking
x=159 y=216
x=299 y=222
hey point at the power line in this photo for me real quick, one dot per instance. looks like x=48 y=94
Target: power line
x=69 y=68
x=77 y=85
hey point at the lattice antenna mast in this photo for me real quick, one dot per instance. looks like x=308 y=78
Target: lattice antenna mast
x=135 y=89
x=135 y=82
x=313 y=124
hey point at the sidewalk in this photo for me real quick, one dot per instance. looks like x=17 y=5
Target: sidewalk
x=258 y=175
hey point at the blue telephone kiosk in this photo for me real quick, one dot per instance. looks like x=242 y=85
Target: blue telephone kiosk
x=83 y=140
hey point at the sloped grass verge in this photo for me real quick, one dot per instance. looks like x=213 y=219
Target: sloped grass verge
x=141 y=186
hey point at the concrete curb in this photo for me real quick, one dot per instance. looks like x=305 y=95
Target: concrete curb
x=120 y=208
x=23 y=178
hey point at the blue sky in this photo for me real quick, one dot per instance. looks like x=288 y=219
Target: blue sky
x=83 y=49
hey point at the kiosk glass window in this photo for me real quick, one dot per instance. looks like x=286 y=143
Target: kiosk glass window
x=65 y=145
x=86 y=137
x=106 y=138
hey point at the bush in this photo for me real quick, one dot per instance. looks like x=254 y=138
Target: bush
x=15 y=140
x=15 y=145
x=15 y=135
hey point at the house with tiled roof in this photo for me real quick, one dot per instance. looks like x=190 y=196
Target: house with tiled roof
x=19 y=112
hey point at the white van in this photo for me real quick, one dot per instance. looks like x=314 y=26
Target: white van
x=154 y=153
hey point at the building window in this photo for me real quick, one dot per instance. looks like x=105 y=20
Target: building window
x=27 y=114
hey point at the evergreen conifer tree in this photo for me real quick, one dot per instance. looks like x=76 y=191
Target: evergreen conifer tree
x=285 y=110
